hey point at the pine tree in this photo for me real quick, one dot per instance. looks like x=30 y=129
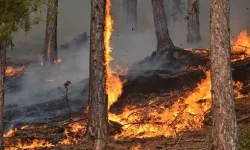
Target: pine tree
x=161 y=27
x=193 y=22
x=50 y=43
x=98 y=100
x=224 y=119
x=14 y=16
x=130 y=14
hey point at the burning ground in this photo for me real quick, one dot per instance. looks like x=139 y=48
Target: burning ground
x=167 y=107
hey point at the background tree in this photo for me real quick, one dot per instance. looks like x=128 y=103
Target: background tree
x=161 y=27
x=193 y=23
x=130 y=14
x=98 y=100
x=177 y=9
x=2 y=76
x=50 y=43
x=14 y=16
x=224 y=120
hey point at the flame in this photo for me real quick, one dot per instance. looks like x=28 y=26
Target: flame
x=241 y=46
x=58 y=61
x=51 y=80
x=75 y=128
x=113 y=82
x=10 y=133
x=185 y=114
x=136 y=147
x=11 y=71
x=31 y=145
x=153 y=121
x=27 y=145
x=237 y=87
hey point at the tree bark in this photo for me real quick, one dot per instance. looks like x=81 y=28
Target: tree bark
x=2 y=76
x=98 y=102
x=130 y=14
x=161 y=27
x=193 y=24
x=50 y=44
x=224 y=119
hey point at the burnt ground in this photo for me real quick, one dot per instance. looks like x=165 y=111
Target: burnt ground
x=167 y=76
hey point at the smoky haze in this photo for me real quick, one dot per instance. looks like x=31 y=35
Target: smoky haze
x=74 y=19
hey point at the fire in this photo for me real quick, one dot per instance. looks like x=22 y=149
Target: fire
x=153 y=121
x=10 y=133
x=136 y=147
x=31 y=145
x=113 y=82
x=185 y=114
x=27 y=145
x=75 y=128
x=51 y=80
x=11 y=71
x=237 y=87
x=58 y=61
x=241 y=45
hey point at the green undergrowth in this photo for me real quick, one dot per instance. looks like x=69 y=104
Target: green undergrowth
x=244 y=138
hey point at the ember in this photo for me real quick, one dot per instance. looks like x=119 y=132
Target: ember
x=58 y=61
x=51 y=80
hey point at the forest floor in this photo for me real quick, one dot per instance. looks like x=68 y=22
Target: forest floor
x=148 y=90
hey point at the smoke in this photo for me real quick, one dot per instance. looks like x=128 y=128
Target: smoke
x=74 y=19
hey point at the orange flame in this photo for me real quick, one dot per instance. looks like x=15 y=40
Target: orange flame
x=241 y=45
x=33 y=145
x=58 y=61
x=113 y=83
x=27 y=145
x=74 y=128
x=11 y=71
x=185 y=114
x=136 y=147
x=237 y=87
x=51 y=80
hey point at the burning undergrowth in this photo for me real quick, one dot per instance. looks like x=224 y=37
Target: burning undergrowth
x=35 y=93
x=163 y=113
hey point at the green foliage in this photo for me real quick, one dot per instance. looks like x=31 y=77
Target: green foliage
x=244 y=138
x=14 y=15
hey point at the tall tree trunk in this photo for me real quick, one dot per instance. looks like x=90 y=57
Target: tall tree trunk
x=98 y=102
x=50 y=44
x=176 y=9
x=130 y=14
x=167 y=6
x=193 y=23
x=224 y=120
x=161 y=27
x=2 y=76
